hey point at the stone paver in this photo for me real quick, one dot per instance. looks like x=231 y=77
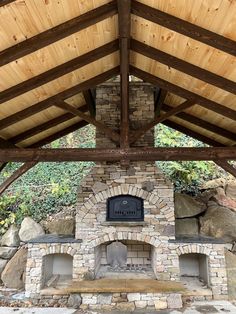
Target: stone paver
x=7 y=310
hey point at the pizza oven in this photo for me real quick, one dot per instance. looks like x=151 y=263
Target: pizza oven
x=125 y=208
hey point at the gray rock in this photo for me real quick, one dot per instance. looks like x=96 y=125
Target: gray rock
x=7 y=252
x=231 y=274
x=30 y=229
x=230 y=190
x=98 y=187
x=104 y=298
x=212 y=184
x=74 y=301
x=218 y=222
x=11 y=237
x=174 y=301
x=3 y=263
x=186 y=226
x=148 y=186
x=186 y=206
x=13 y=272
x=61 y=226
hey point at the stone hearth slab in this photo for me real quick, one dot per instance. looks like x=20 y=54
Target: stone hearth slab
x=123 y=285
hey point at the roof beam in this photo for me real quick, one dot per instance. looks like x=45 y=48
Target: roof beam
x=202 y=123
x=183 y=27
x=159 y=101
x=124 y=19
x=16 y=174
x=53 y=137
x=58 y=32
x=90 y=101
x=180 y=91
x=5 y=2
x=45 y=126
x=116 y=154
x=28 y=112
x=221 y=163
x=58 y=71
x=114 y=136
x=184 y=66
x=138 y=133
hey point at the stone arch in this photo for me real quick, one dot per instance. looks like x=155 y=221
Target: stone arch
x=57 y=249
x=124 y=235
x=193 y=248
x=128 y=189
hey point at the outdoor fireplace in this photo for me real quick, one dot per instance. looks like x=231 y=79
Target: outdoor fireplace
x=125 y=208
x=125 y=220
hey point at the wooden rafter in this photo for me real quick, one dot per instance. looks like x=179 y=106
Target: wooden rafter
x=28 y=112
x=45 y=126
x=90 y=101
x=159 y=101
x=59 y=134
x=59 y=32
x=138 y=133
x=221 y=163
x=124 y=15
x=58 y=71
x=114 y=136
x=5 y=2
x=6 y=144
x=117 y=154
x=16 y=175
x=183 y=27
x=180 y=91
x=202 y=123
x=184 y=66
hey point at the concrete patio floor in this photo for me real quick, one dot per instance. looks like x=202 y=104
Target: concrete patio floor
x=209 y=307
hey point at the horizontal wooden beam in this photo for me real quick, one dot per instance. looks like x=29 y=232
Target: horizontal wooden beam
x=16 y=175
x=138 y=133
x=221 y=163
x=184 y=27
x=58 y=32
x=114 y=136
x=55 y=136
x=58 y=71
x=180 y=91
x=202 y=123
x=45 y=126
x=28 y=112
x=184 y=66
x=116 y=154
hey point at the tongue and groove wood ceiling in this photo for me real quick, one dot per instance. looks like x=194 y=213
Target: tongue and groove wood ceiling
x=57 y=50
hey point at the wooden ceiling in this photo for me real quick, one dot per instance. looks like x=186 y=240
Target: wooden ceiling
x=52 y=51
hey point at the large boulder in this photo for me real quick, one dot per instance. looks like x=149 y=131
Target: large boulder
x=230 y=190
x=7 y=252
x=187 y=206
x=30 y=229
x=187 y=226
x=223 y=200
x=213 y=184
x=3 y=263
x=218 y=222
x=11 y=237
x=14 y=270
x=61 y=226
x=231 y=274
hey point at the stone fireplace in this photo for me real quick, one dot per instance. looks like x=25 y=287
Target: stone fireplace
x=125 y=222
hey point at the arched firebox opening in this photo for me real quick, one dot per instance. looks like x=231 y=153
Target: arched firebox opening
x=194 y=269
x=56 y=269
x=124 y=259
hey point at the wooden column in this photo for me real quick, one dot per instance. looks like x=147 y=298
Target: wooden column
x=124 y=14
